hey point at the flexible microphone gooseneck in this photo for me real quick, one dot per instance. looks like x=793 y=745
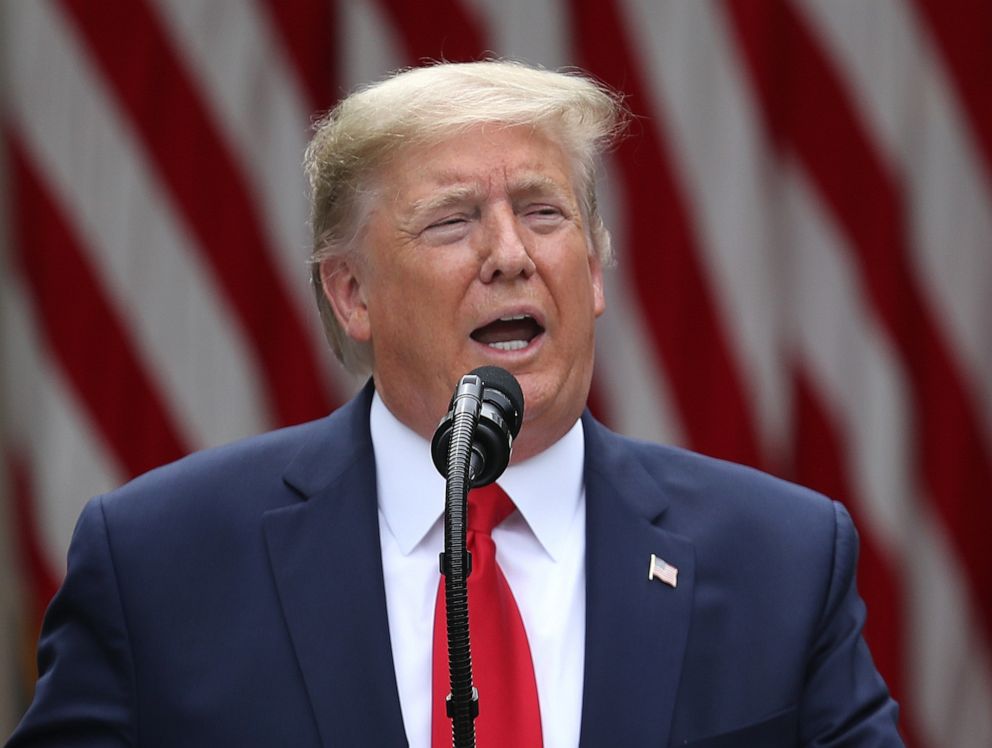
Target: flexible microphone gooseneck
x=471 y=448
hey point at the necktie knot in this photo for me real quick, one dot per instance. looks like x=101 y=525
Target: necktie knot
x=487 y=507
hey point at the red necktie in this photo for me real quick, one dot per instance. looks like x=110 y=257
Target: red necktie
x=502 y=669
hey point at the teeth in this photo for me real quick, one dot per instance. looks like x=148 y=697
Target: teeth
x=509 y=345
x=514 y=318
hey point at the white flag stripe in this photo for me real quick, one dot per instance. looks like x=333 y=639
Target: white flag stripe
x=269 y=144
x=769 y=222
x=950 y=679
x=635 y=389
x=46 y=424
x=254 y=76
x=900 y=82
x=370 y=46
x=840 y=342
x=723 y=179
x=116 y=211
x=534 y=32
x=849 y=356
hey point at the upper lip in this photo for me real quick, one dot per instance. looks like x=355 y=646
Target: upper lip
x=512 y=313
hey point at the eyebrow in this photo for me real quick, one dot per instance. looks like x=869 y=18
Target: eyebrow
x=449 y=196
x=458 y=194
x=537 y=184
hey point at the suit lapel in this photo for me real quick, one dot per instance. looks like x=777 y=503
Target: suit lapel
x=636 y=628
x=327 y=566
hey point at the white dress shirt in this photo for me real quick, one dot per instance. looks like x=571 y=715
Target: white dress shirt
x=540 y=548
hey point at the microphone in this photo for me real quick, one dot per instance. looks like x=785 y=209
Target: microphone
x=495 y=396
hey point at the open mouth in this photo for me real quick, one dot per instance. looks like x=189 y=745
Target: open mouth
x=509 y=333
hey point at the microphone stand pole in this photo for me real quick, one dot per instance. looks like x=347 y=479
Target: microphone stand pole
x=456 y=564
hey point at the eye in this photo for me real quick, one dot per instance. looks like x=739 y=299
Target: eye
x=543 y=216
x=446 y=230
x=452 y=221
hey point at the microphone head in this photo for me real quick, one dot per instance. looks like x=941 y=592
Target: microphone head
x=499 y=379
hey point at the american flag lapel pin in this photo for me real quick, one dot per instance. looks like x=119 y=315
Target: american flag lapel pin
x=663 y=572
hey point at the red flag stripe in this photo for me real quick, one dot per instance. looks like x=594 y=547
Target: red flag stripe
x=41 y=580
x=929 y=147
x=437 y=29
x=634 y=391
x=307 y=28
x=196 y=166
x=808 y=111
x=118 y=394
x=819 y=462
x=963 y=31
x=855 y=414
x=670 y=283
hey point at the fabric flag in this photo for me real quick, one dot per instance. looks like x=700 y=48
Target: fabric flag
x=802 y=213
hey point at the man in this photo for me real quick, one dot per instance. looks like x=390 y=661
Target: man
x=281 y=591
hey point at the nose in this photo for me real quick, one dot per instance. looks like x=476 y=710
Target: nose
x=505 y=251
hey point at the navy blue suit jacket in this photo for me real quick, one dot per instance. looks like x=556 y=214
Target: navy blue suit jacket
x=236 y=598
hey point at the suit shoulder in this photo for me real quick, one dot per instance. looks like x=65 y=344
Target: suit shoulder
x=219 y=484
x=698 y=486
x=743 y=524
x=251 y=455
x=683 y=467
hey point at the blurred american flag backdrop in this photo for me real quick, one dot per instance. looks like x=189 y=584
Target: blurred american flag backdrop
x=802 y=213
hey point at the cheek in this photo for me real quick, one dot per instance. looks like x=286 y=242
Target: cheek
x=577 y=283
x=415 y=309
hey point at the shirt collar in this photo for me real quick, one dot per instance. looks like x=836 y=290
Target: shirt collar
x=547 y=488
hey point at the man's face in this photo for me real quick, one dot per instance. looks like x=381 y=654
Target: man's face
x=476 y=254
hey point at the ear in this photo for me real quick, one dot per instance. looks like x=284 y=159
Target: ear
x=598 y=291
x=344 y=290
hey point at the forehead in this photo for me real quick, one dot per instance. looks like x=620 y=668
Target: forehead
x=480 y=160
